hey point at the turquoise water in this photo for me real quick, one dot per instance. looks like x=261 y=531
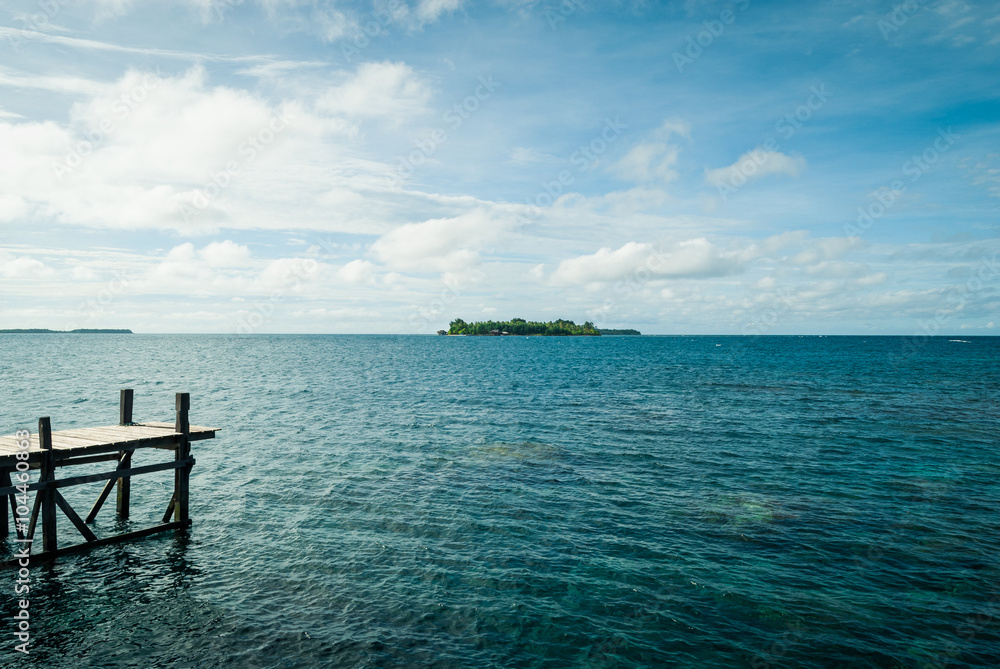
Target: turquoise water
x=380 y=501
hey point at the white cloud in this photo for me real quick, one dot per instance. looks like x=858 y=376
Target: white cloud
x=84 y=273
x=828 y=248
x=225 y=268
x=288 y=275
x=54 y=83
x=106 y=9
x=838 y=269
x=225 y=254
x=12 y=207
x=444 y=244
x=357 y=271
x=521 y=155
x=430 y=10
x=392 y=91
x=135 y=152
x=654 y=158
x=333 y=24
x=691 y=258
x=870 y=280
x=23 y=268
x=755 y=165
x=649 y=161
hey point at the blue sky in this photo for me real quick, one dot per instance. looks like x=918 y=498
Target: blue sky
x=349 y=167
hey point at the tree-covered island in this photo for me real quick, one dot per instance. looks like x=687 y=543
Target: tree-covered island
x=77 y=331
x=628 y=331
x=519 y=326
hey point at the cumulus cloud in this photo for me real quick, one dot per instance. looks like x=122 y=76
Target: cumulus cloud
x=23 y=268
x=138 y=151
x=333 y=24
x=755 y=165
x=225 y=254
x=431 y=10
x=392 y=91
x=357 y=271
x=12 y=207
x=691 y=258
x=106 y=9
x=288 y=275
x=654 y=158
x=829 y=248
x=225 y=268
x=443 y=244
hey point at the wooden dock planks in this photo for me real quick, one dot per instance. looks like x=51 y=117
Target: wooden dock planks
x=88 y=439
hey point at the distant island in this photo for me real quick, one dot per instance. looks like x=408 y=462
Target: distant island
x=519 y=326
x=605 y=331
x=79 y=331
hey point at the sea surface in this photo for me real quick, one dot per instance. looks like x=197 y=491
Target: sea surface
x=424 y=501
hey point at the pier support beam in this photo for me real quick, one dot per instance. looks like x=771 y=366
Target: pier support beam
x=182 y=475
x=47 y=494
x=4 y=522
x=125 y=457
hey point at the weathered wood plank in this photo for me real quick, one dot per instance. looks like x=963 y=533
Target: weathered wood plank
x=73 y=517
x=170 y=508
x=10 y=441
x=110 y=435
x=118 y=538
x=104 y=476
x=69 y=461
x=87 y=437
x=62 y=442
x=106 y=490
x=194 y=428
x=34 y=516
x=5 y=480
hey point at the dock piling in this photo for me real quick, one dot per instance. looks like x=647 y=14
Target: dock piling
x=47 y=492
x=125 y=457
x=182 y=475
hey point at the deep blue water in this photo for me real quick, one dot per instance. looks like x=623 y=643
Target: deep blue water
x=382 y=501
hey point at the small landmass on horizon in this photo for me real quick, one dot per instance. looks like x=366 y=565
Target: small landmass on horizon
x=519 y=326
x=78 y=331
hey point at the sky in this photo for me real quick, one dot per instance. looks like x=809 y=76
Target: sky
x=300 y=166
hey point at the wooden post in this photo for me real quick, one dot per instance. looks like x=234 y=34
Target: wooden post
x=125 y=409
x=4 y=523
x=125 y=457
x=48 y=474
x=182 y=476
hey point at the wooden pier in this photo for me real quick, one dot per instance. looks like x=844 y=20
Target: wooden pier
x=47 y=451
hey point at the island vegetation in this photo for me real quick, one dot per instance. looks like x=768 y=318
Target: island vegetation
x=629 y=331
x=519 y=326
x=77 y=331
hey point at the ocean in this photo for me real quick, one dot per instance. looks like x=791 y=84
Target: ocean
x=424 y=501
